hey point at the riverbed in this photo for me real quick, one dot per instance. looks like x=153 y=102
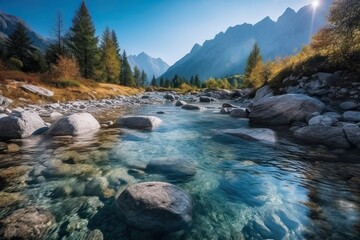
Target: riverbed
x=242 y=189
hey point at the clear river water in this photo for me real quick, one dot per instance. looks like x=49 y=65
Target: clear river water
x=242 y=189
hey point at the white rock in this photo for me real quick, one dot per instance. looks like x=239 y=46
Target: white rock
x=37 y=90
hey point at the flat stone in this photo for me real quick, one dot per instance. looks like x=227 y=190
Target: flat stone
x=37 y=90
x=192 y=107
x=138 y=122
x=171 y=167
x=348 y=105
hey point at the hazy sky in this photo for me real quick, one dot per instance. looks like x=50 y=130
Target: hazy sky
x=161 y=28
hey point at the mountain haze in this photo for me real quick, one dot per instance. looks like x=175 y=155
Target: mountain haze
x=227 y=53
x=7 y=27
x=151 y=66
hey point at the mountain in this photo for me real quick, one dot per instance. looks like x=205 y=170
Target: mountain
x=7 y=27
x=151 y=66
x=227 y=53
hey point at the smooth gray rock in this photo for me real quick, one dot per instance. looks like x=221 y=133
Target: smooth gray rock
x=352 y=132
x=333 y=137
x=37 y=90
x=171 y=167
x=180 y=103
x=228 y=105
x=75 y=124
x=348 y=105
x=323 y=121
x=263 y=92
x=155 y=206
x=20 y=125
x=225 y=110
x=333 y=115
x=169 y=96
x=351 y=116
x=259 y=134
x=26 y=223
x=138 y=122
x=239 y=113
x=192 y=107
x=284 y=109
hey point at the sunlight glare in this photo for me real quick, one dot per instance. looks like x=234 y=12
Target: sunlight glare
x=315 y=3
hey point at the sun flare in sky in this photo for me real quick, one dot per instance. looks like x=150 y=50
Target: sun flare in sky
x=315 y=3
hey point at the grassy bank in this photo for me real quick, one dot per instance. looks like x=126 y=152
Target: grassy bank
x=66 y=90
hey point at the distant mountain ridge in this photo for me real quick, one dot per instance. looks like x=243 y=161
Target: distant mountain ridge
x=227 y=53
x=7 y=27
x=151 y=66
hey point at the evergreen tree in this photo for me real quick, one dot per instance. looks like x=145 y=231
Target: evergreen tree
x=19 y=44
x=116 y=42
x=162 y=82
x=197 y=82
x=143 y=78
x=82 y=42
x=110 y=62
x=253 y=59
x=153 y=81
x=137 y=76
x=126 y=77
x=192 y=81
x=56 y=49
x=167 y=83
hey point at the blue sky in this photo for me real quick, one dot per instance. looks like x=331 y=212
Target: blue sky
x=161 y=28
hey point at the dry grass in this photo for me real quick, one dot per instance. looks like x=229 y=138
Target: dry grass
x=10 y=82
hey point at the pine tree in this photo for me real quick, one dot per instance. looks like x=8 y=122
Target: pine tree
x=253 y=59
x=192 y=81
x=153 y=81
x=56 y=49
x=110 y=62
x=126 y=77
x=82 y=42
x=197 y=82
x=143 y=78
x=137 y=76
x=19 y=44
x=116 y=42
x=162 y=82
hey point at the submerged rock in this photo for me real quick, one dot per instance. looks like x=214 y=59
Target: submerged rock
x=75 y=124
x=138 y=122
x=333 y=137
x=191 y=107
x=173 y=167
x=284 y=109
x=20 y=125
x=259 y=134
x=26 y=223
x=155 y=206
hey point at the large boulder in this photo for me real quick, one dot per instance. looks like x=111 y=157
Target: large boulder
x=20 y=125
x=155 y=206
x=38 y=90
x=75 y=124
x=263 y=92
x=26 y=223
x=259 y=134
x=284 y=109
x=171 y=167
x=333 y=137
x=138 y=122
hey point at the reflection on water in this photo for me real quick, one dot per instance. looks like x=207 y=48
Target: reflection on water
x=241 y=189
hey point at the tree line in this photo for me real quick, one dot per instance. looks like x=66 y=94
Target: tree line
x=79 y=47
